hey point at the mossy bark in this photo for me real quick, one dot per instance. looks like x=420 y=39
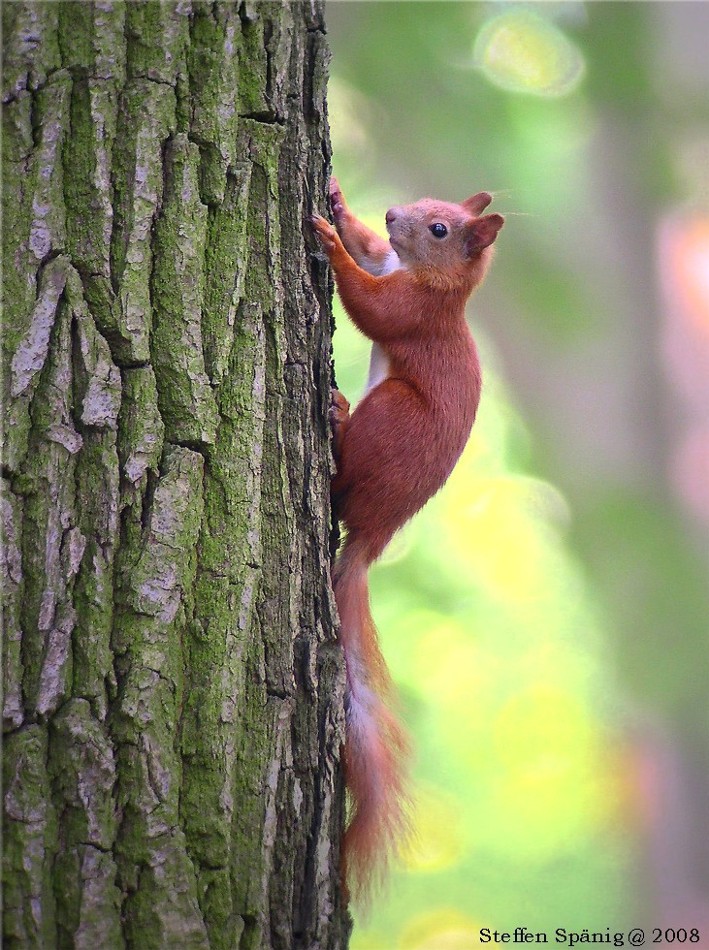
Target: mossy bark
x=172 y=688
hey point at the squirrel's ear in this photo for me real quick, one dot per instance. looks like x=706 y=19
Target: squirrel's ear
x=482 y=233
x=477 y=203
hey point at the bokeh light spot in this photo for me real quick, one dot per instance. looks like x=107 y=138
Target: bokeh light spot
x=685 y=248
x=523 y=52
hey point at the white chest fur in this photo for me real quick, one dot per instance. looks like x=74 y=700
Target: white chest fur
x=378 y=361
x=378 y=367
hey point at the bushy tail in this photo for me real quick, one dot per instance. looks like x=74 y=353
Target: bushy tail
x=376 y=746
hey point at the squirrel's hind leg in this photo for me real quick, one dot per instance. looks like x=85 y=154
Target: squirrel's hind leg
x=339 y=416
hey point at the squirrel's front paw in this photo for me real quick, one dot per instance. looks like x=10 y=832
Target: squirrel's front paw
x=338 y=205
x=324 y=232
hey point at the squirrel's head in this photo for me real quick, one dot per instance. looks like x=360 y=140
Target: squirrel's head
x=446 y=241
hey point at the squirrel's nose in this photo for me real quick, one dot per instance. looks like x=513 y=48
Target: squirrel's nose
x=391 y=215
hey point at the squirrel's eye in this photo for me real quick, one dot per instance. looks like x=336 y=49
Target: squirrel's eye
x=438 y=230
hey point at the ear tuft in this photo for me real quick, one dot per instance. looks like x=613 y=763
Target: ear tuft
x=482 y=233
x=477 y=203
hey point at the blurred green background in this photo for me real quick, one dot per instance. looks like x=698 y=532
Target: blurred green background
x=546 y=616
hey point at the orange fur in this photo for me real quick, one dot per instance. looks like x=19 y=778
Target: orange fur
x=393 y=453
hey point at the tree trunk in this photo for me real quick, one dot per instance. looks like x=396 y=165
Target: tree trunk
x=172 y=688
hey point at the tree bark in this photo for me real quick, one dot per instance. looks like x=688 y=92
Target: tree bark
x=172 y=687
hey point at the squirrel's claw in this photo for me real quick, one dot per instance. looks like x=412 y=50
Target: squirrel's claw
x=337 y=200
x=324 y=232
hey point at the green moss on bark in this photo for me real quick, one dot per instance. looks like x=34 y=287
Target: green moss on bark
x=11 y=578
x=186 y=400
x=224 y=283
x=97 y=400
x=213 y=77
x=29 y=841
x=83 y=773
x=145 y=121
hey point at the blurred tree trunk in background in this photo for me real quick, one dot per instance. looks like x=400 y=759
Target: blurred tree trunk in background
x=641 y=546
x=172 y=693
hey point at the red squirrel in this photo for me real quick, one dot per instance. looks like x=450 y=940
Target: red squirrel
x=392 y=454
